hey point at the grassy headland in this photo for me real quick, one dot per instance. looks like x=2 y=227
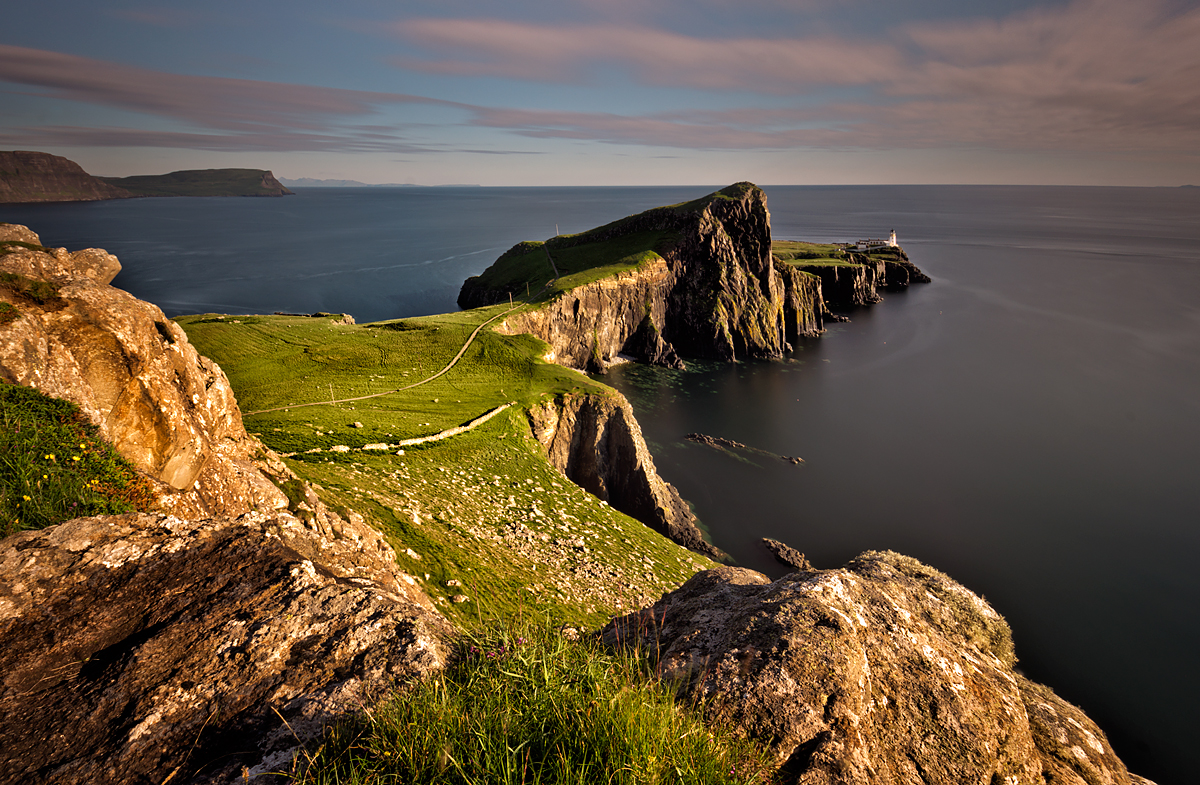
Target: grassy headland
x=802 y=254
x=481 y=515
x=202 y=182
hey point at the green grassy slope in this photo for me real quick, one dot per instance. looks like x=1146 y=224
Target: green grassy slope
x=802 y=254
x=484 y=509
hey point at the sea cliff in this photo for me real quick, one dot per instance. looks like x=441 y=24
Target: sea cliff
x=696 y=279
x=28 y=176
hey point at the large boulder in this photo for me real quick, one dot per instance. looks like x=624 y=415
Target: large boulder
x=132 y=371
x=142 y=648
x=885 y=671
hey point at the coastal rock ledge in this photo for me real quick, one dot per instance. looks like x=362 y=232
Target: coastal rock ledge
x=143 y=648
x=884 y=671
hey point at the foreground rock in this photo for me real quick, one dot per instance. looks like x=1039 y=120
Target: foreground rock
x=142 y=648
x=885 y=671
x=596 y=442
x=132 y=371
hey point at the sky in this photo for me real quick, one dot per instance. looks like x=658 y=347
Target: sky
x=613 y=92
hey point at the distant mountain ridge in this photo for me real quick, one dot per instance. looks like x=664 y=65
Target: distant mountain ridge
x=30 y=176
x=312 y=182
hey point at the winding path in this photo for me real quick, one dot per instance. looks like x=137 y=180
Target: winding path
x=449 y=365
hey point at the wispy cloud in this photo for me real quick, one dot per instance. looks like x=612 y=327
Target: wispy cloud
x=567 y=53
x=232 y=113
x=1094 y=75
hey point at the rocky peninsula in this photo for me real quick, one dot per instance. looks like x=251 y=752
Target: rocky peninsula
x=263 y=597
x=28 y=176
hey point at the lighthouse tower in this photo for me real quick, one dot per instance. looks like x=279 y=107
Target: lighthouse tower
x=892 y=239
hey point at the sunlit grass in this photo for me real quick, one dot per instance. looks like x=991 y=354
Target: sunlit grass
x=527 y=705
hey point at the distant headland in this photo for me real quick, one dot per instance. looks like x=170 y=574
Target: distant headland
x=29 y=176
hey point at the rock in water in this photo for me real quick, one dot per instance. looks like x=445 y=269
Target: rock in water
x=140 y=648
x=786 y=554
x=885 y=671
x=132 y=371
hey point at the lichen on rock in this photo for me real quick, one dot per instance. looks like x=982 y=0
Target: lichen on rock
x=140 y=646
x=884 y=671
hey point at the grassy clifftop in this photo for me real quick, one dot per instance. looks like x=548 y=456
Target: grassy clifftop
x=482 y=517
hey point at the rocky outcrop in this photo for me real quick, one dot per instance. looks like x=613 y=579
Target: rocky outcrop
x=859 y=281
x=28 y=176
x=713 y=290
x=143 y=648
x=132 y=371
x=596 y=443
x=884 y=671
x=850 y=284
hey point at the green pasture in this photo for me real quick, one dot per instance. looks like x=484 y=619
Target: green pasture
x=483 y=509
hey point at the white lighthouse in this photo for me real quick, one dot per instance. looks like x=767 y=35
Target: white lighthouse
x=892 y=239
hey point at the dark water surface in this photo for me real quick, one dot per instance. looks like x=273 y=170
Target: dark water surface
x=1028 y=423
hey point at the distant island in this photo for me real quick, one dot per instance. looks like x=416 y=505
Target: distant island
x=312 y=182
x=30 y=176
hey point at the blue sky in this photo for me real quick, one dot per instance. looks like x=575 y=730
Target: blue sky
x=613 y=92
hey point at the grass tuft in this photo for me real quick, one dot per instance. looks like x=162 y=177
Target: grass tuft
x=532 y=707
x=54 y=466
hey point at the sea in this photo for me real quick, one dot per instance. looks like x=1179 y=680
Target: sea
x=1028 y=423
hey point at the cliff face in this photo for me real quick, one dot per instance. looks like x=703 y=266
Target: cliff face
x=714 y=291
x=590 y=324
x=131 y=370
x=597 y=444
x=884 y=671
x=27 y=176
x=860 y=282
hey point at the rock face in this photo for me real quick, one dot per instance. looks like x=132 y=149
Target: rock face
x=885 y=671
x=715 y=291
x=27 y=176
x=142 y=648
x=131 y=370
x=597 y=444
x=860 y=282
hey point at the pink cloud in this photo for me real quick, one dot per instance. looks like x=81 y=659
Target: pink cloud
x=490 y=47
x=208 y=102
x=1093 y=75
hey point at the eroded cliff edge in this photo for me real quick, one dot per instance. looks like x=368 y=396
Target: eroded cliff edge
x=596 y=442
x=705 y=285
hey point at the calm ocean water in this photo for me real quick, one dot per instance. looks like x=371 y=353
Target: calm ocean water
x=1028 y=423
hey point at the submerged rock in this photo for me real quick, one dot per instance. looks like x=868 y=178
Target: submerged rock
x=884 y=671
x=141 y=648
